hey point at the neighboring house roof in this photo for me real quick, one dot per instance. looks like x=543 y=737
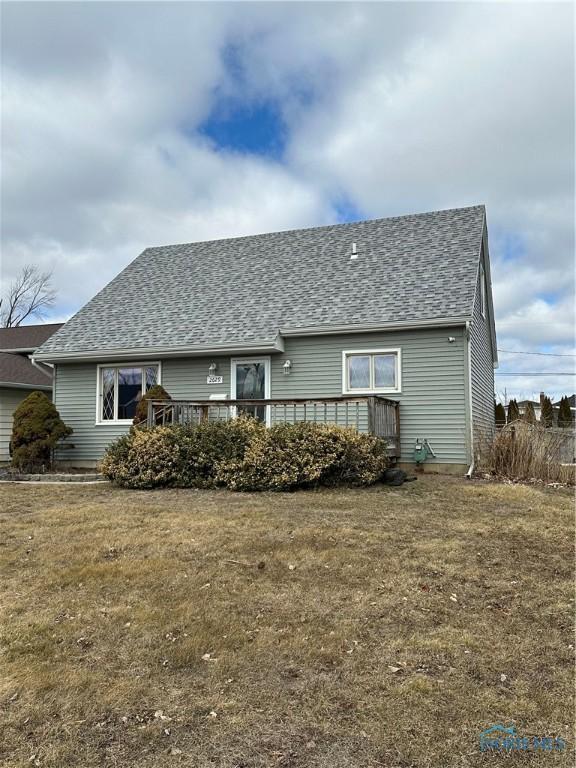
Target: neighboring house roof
x=571 y=402
x=243 y=292
x=17 y=370
x=26 y=338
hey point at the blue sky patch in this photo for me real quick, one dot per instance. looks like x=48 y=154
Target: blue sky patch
x=347 y=210
x=255 y=128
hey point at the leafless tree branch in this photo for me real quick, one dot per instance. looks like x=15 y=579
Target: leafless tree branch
x=29 y=295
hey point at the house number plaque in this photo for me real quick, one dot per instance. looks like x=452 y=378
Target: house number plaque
x=214 y=380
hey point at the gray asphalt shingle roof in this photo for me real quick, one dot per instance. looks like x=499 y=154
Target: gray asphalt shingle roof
x=243 y=290
x=17 y=369
x=28 y=337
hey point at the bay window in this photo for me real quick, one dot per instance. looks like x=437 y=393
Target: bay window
x=121 y=387
x=371 y=371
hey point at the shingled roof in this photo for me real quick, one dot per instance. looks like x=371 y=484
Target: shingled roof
x=17 y=370
x=26 y=338
x=245 y=291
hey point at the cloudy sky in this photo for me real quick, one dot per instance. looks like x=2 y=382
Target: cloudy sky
x=132 y=124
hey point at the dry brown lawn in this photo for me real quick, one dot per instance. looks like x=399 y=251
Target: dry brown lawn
x=377 y=627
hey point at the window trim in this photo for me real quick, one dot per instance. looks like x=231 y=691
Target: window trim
x=100 y=422
x=482 y=291
x=346 y=390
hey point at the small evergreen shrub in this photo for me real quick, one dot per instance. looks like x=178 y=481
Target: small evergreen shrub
x=156 y=392
x=243 y=455
x=36 y=429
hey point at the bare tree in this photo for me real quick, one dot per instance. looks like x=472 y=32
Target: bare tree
x=28 y=296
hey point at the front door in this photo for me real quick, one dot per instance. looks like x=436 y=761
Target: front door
x=251 y=381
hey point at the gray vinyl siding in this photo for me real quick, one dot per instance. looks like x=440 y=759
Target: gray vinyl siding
x=432 y=400
x=482 y=374
x=10 y=399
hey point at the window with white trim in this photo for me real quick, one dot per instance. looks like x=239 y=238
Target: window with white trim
x=120 y=389
x=368 y=371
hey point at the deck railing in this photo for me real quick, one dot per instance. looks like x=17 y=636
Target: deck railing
x=377 y=415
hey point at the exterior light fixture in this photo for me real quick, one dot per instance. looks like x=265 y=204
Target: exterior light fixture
x=212 y=369
x=287 y=367
x=451 y=339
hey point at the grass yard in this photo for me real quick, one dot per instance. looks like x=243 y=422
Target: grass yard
x=376 y=627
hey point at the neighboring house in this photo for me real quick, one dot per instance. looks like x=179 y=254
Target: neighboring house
x=571 y=403
x=537 y=405
x=18 y=375
x=398 y=307
x=523 y=404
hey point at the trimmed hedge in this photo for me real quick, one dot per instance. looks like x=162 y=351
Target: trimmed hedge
x=243 y=455
x=36 y=429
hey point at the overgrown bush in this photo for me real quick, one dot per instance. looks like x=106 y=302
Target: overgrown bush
x=156 y=392
x=522 y=451
x=187 y=457
x=37 y=428
x=244 y=455
x=303 y=455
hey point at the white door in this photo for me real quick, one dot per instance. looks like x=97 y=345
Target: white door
x=251 y=381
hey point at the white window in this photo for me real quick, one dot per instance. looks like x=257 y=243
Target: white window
x=120 y=388
x=482 y=291
x=371 y=371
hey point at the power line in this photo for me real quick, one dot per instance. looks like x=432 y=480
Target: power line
x=545 y=354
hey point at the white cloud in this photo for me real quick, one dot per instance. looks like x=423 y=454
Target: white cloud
x=398 y=106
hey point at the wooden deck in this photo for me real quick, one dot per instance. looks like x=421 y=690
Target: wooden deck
x=374 y=414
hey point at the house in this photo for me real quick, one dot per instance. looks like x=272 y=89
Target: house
x=523 y=404
x=397 y=308
x=18 y=375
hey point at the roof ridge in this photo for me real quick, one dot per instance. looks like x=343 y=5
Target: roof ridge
x=320 y=228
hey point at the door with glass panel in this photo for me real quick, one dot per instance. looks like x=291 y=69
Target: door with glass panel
x=251 y=381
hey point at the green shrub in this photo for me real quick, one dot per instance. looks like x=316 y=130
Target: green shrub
x=243 y=455
x=206 y=448
x=36 y=429
x=144 y=458
x=304 y=455
x=187 y=457
x=156 y=392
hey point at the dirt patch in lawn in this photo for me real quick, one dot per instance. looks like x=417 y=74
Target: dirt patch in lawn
x=375 y=627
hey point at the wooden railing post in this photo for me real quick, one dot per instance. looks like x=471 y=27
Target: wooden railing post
x=150 y=414
x=371 y=404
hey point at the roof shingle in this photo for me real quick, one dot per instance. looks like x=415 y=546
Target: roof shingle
x=27 y=337
x=242 y=290
x=17 y=369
